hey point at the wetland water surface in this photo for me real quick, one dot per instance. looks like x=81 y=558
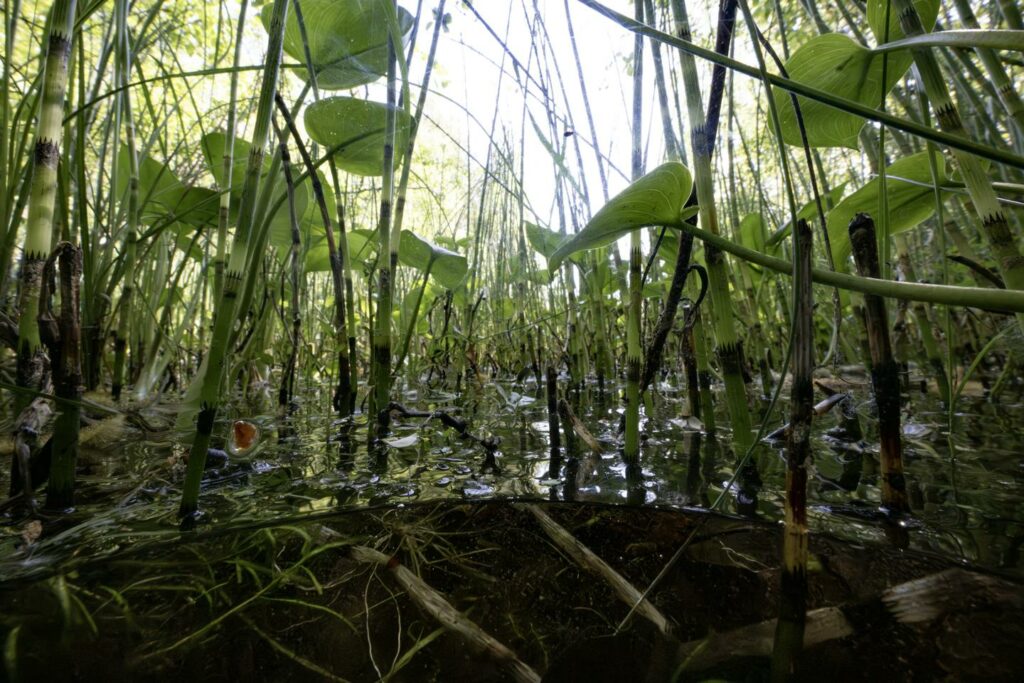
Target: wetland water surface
x=271 y=562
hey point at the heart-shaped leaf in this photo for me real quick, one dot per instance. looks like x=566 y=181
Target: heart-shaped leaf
x=655 y=199
x=347 y=39
x=910 y=203
x=162 y=195
x=355 y=130
x=447 y=267
x=838 y=65
x=159 y=188
x=197 y=206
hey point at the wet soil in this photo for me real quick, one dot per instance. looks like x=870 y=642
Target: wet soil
x=291 y=603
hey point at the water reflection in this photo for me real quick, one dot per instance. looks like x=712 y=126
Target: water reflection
x=966 y=490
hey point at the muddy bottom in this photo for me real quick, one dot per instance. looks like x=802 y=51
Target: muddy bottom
x=310 y=602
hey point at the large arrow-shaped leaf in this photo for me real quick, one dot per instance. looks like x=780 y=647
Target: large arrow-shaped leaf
x=347 y=39
x=809 y=212
x=910 y=203
x=355 y=130
x=213 y=145
x=362 y=247
x=161 y=194
x=841 y=66
x=655 y=199
x=447 y=267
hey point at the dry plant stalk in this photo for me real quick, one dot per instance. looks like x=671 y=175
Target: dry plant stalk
x=586 y=558
x=440 y=609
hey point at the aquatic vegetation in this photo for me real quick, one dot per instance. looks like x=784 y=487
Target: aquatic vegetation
x=270 y=274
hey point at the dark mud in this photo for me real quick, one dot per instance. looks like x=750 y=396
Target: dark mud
x=291 y=603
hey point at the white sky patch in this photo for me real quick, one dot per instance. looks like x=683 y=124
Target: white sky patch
x=468 y=90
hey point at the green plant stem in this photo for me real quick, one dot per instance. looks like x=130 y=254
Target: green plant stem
x=634 y=352
x=341 y=279
x=387 y=261
x=225 y=313
x=31 y=372
x=993 y=220
x=884 y=373
x=287 y=390
x=413 y=318
x=131 y=228
x=923 y=317
x=730 y=349
x=789 y=631
x=990 y=60
x=975 y=297
x=403 y=182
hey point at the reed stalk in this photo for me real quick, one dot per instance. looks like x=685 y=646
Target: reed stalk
x=225 y=313
x=227 y=161
x=31 y=371
x=1001 y=81
x=634 y=351
x=380 y=372
x=121 y=338
x=884 y=373
x=789 y=631
x=991 y=214
x=923 y=317
x=730 y=349
x=63 y=340
x=341 y=278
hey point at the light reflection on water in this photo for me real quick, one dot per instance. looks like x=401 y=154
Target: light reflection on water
x=970 y=508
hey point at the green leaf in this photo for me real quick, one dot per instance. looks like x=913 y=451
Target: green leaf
x=543 y=240
x=311 y=220
x=752 y=231
x=311 y=225
x=656 y=290
x=362 y=245
x=161 y=194
x=355 y=129
x=928 y=10
x=448 y=268
x=347 y=40
x=752 y=236
x=655 y=199
x=809 y=212
x=182 y=234
x=840 y=66
x=197 y=206
x=213 y=145
x=669 y=249
x=909 y=204
x=158 y=186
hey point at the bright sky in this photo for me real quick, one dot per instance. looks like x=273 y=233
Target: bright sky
x=469 y=56
x=468 y=77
